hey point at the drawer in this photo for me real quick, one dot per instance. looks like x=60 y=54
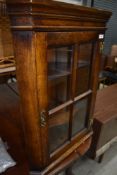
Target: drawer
x=108 y=132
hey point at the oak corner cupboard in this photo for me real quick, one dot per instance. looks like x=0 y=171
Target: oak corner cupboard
x=57 y=51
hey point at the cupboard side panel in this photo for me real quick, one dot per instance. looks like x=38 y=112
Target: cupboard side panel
x=95 y=77
x=26 y=76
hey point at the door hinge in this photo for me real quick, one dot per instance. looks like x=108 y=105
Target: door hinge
x=43 y=118
x=91 y=121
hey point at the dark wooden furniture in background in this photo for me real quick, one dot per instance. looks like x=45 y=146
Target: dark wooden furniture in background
x=11 y=130
x=102 y=76
x=57 y=60
x=112 y=58
x=108 y=67
x=111 y=67
x=10 y=125
x=7 y=63
x=105 y=121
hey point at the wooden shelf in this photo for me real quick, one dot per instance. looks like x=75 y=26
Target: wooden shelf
x=58 y=73
x=58 y=69
x=82 y=64
x=53 y=74
x=7 y=70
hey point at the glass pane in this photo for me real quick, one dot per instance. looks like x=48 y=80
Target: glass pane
x=79 y=115
x=82 y=84
x=58 y=128
x=59 y=75
x=84 y=66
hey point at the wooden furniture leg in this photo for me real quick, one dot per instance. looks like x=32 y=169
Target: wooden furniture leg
x=68 y=171
x=100 y=158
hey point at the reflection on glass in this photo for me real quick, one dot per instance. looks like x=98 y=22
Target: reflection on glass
x=83 y=71
x=82 y=84
x=79 y=116
x=59 y=71
x=58 y=128
x=58 y=91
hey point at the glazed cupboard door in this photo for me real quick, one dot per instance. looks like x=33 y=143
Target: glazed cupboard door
x=66 y=67
x=70 y=63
